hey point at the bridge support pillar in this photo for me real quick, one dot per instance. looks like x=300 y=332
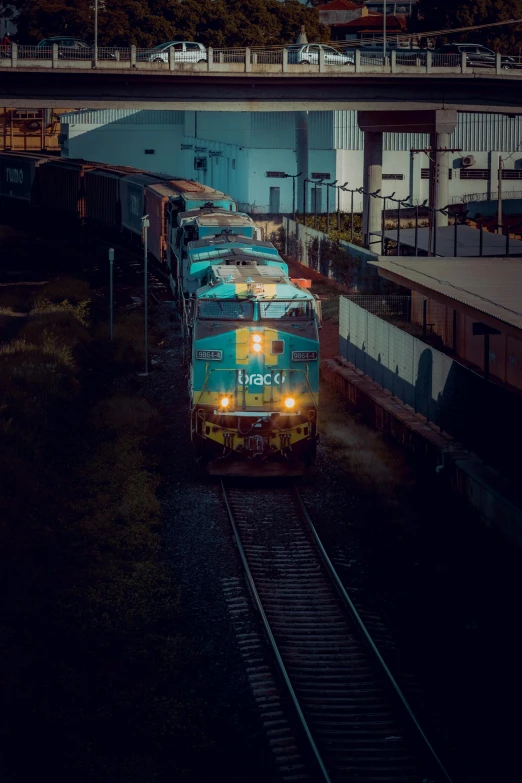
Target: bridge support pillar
x=439 y=123
x=372 y=181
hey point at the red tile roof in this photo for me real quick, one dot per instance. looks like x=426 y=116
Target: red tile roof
x=372 y=22
x=339 y=5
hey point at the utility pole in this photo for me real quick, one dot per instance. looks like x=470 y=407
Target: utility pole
x=384 y=33
x=95 y=32
x=499 y=203
x=145 y=225
x=111 y=259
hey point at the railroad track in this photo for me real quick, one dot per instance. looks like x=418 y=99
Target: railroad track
x=355 y=724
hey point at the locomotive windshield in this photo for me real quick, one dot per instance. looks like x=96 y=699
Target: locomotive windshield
x=226 y=309
x=295 y=308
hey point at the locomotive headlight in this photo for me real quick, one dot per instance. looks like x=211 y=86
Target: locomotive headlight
x=257 y=347
x=225 y=402
x=289 y=402
x=256 y=338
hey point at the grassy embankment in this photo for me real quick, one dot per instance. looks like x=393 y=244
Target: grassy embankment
x=93 y=664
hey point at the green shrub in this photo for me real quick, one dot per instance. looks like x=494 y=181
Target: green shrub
x=64 y=289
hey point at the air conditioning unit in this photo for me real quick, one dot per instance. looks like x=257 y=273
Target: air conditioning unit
x=200 y=163
x=468 y=160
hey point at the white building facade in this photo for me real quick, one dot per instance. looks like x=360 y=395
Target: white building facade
x=246 y=154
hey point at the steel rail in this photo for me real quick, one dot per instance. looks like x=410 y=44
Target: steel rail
x=273 y=643
x=355 y=614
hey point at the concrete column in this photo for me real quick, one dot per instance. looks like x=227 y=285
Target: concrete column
x=439 y=175
x=301 y=144
x=372 y=181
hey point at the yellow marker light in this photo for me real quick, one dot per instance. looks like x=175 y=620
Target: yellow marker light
x=256 y=338
x=256 y=347
x=224 y=402
x=289 y=402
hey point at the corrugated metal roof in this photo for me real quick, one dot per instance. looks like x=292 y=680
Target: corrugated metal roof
x=123 y=117
x=468 y=241
x=491 y=286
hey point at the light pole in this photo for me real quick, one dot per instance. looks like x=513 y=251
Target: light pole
x=111 y=259
x=96 y=32
x=304 y=198
x=384 y=33
x=328 y=185
x=339 y=188
x=499 y=194
x=145 y=225
x=294 y=177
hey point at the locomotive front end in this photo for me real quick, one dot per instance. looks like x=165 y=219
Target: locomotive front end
x=255 y=376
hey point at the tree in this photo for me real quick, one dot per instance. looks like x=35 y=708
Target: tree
x=149 y=22
x=448 y=14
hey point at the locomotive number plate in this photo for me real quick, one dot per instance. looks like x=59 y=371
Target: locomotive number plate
x=303 y=356
x=210 y=356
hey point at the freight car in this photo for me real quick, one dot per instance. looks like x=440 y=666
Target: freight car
x=253 y=335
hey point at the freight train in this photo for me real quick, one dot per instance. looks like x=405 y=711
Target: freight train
x=252 y=330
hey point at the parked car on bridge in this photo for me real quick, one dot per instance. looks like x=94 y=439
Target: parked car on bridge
x=68 y=47
x=184 y=52
x=309 y=55
x=477 y=56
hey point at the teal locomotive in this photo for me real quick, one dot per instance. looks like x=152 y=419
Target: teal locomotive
x=254 y=347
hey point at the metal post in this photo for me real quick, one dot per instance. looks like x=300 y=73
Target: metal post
x=111 y=303
x=399 y=228
x=351 y=219
x=304 y=199
x=293 y=198
x=499 y=203
x=384 y=34
x=486 y=357
x=327 y=209
x=145 y=225
x=455 y=225
x=315 y=205
x=383 y=226
x=338 y=209
x=416 y=229
x=95 y=32
x=434 y=234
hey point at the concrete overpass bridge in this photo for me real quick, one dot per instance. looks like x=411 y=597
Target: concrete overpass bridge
x=420 y=93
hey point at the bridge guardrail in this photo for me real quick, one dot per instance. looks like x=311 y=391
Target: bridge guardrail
x=249 y=59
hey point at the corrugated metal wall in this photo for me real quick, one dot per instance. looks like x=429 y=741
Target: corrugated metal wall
x=327 y=130
x=124 y=117
x=474 y=133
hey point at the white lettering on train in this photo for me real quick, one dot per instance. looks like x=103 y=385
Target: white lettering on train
x=14 y=176
x=258 y=379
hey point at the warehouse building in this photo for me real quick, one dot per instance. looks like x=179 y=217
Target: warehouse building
x=248 y=154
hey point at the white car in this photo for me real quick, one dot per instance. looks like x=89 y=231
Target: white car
x=184 y=52
x=309 y=55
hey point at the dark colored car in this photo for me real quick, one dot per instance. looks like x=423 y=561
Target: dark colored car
x=477 y=56
x=70 y=48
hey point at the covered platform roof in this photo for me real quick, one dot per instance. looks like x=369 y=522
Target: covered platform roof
x=468 y=241
x=488 y=289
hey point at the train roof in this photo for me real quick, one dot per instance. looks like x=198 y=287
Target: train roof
x=216 y=216
x=193 y=189
x=259 y=282
x=230 y=239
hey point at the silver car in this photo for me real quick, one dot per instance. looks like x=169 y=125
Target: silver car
x=309 y=55
x=184 y=52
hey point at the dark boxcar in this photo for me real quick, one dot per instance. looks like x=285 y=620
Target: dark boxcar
x=102 y=196
x=132 y=198
x=62 y=189
x=18 y=174
x=157 y=198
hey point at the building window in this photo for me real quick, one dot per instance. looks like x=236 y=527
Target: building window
x=149 y=152
x=511 y=174
x=474 y=173
x=425 y=173
x=393 y=176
